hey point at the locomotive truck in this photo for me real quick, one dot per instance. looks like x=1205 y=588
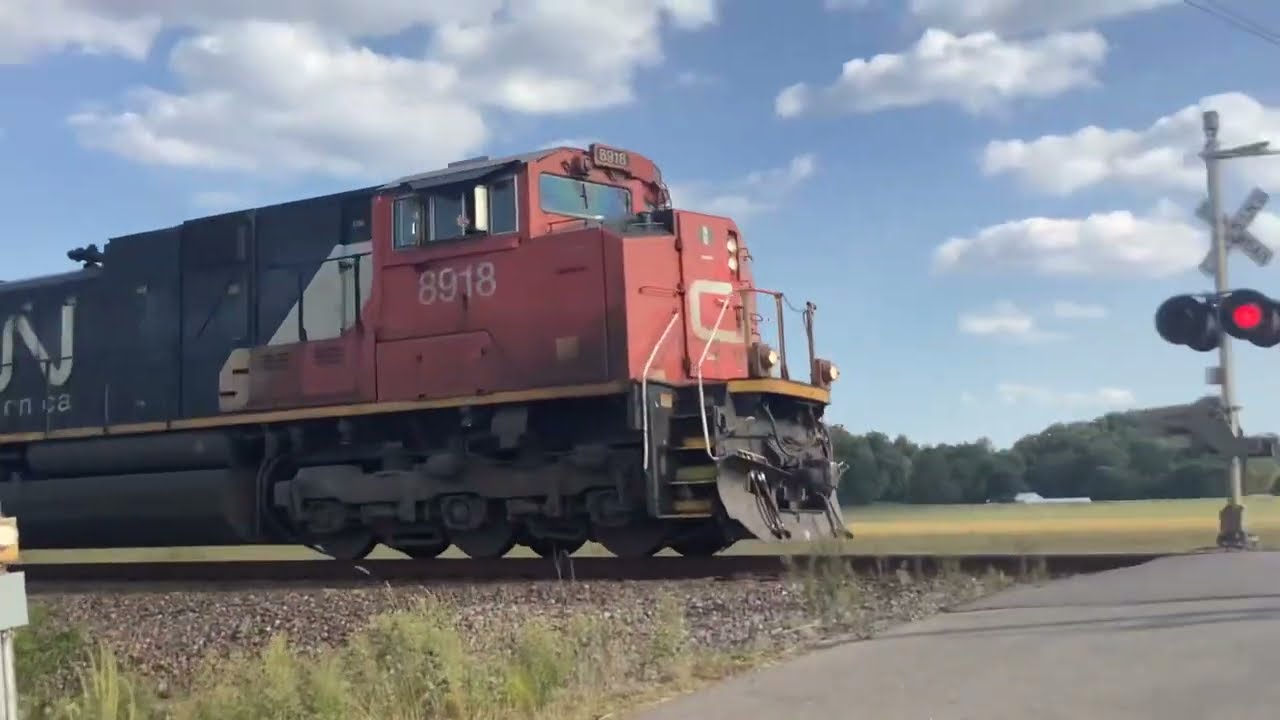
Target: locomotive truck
x=535 y=349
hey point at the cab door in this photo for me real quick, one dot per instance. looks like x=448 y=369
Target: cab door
x=711 y=282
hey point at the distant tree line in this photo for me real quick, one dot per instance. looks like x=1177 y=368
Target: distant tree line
x=1109 y=458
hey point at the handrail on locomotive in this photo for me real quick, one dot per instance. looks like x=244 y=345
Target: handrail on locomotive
x=784 y=371
x=780 y=303
x=644 y=384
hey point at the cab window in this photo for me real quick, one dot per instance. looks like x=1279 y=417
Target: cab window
x=409 y=223
x=502 y=207
x=447 y=209
x=582 y=198
x=450 y=214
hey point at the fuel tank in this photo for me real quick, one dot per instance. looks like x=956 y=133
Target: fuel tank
x=129 y=454
x=166 y=509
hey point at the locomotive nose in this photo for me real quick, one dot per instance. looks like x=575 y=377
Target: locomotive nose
x=775 y=505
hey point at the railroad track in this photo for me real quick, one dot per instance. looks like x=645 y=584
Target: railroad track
x=80 y=576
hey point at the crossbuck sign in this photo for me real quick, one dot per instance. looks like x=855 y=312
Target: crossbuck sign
x=1238 y=235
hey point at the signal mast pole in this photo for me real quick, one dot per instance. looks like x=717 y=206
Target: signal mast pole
x=1231 y=531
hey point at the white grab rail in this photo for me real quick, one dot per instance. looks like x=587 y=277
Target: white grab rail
x=644 y=384
x=702 y=401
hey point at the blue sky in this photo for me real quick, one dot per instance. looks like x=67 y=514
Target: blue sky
x=972 y=278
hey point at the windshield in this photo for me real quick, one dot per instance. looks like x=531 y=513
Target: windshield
x=584 y=199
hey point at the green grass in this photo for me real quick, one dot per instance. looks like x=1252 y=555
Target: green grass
x=414 y=663
x=407 y=664
x=1135 y=526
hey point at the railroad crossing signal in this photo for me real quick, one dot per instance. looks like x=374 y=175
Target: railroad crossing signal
x=1199 y=323
x=1237 y=232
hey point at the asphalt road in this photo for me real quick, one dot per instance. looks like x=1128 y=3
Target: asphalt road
x=1181 y=638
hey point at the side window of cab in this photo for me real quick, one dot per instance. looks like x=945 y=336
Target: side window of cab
x=504 y=216
x=457 y=212
x=409 y=221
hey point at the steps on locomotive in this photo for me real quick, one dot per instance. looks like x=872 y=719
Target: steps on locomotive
x=690 y=487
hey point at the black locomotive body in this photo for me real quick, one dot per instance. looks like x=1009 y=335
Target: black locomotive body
x=136 y=340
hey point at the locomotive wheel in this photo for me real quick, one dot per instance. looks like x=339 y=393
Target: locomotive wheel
x=493 y=539
x=699 y=545
x=548 y=547
x=425 y=552
x=351 y=545
x=642 y=537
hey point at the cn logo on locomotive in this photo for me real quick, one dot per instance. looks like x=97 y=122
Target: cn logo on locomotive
x=56 y=370
x=703 y=326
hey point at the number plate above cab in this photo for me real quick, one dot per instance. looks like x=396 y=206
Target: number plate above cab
x=605 y=156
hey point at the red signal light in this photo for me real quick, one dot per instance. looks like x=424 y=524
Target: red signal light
x=1252 y=316
x=1247 y=316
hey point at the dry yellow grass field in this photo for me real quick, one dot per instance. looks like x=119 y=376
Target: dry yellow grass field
x=1136 y=526
x=1101 y=527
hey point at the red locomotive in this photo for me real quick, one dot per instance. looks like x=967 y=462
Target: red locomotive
x=536 y=349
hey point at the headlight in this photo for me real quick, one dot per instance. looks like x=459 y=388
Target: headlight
x=733 y=264
x=824 y=372
x=732 y=246
x=761 y=360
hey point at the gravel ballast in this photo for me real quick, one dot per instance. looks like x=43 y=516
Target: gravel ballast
x=167 y=634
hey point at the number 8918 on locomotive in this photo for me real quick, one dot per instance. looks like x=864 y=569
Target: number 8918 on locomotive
x=535 y=350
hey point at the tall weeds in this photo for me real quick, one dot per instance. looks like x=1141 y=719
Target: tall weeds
x=412 y=664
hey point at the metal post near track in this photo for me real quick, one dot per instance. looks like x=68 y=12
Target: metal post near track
x=1228 y=235
x=13 y=615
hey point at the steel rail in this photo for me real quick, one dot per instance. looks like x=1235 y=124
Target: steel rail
x=261 y=572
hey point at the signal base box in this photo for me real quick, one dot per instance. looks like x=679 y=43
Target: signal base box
x=1213 y=375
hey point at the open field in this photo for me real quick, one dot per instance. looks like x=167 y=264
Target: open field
x=1138 y=526
x=1135 y=526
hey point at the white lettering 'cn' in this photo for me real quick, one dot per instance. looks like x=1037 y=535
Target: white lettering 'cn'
x=56 y=371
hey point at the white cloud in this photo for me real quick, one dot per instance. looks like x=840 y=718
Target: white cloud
x=1004 y=321
x=1104 y=397
x=30 y=28
x=1021 y=16
x=220 y=199
x=271 y=97
x=578 y=142
x=755 y=192
x=1160 y=157
x=1067 y=310
x=978 y=72
x=553 y=56
x=1158 y=244
x=693 y=78
x=283 y=95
